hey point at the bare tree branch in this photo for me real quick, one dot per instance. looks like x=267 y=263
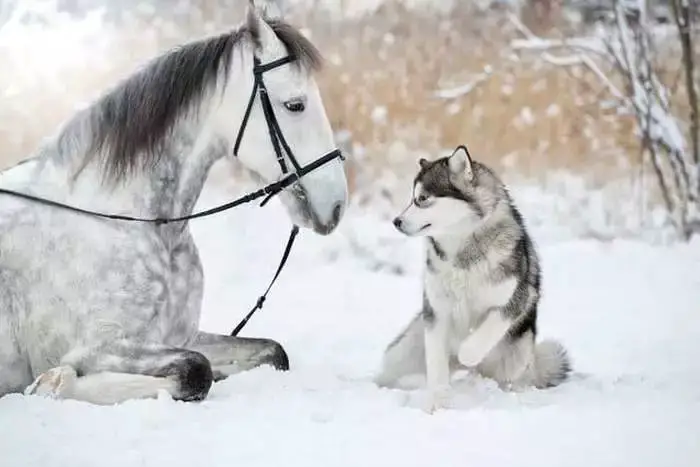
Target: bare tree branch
x=630 y=49
x=681 y=14
x=459 y=91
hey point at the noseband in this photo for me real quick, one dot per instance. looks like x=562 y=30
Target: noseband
x=268 y=191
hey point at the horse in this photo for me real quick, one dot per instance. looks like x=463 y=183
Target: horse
x=103 y=311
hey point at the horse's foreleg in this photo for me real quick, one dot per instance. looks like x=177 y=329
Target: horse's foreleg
x=229 y=355
x=115 y=372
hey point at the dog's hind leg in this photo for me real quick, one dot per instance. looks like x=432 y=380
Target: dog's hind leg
x=118 y=371
x=229 y=355
x=405 y=355
x=510 y=363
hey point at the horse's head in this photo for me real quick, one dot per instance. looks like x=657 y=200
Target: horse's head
x=318 y=200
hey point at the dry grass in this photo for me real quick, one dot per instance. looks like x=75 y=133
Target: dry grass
x=525 y=117
x=528 y=118
x=379 y=84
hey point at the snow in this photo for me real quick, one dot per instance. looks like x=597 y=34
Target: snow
x=627 y=311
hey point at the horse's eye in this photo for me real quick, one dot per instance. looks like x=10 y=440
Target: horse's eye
x=295 y=106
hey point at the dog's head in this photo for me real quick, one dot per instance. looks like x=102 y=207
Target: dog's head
x=450 y=195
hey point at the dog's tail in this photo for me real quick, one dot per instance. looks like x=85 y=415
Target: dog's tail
x=552 y=364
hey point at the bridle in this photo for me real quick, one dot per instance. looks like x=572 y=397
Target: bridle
x=278 y=142
x=268 y=191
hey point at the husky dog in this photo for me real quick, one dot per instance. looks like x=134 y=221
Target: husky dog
x=481 y=284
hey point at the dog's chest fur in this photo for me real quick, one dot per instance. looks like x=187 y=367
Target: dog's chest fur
x=462 y=292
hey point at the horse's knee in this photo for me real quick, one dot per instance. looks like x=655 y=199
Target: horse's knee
x=275 y=355
x=193 y=374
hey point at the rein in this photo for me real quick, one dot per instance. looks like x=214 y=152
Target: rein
x=268 y=191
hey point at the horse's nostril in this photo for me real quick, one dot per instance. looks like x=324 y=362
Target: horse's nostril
x=397 y=222
x=325 y=228
x=337 y=211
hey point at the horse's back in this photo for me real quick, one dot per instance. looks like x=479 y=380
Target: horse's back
x=18 y=175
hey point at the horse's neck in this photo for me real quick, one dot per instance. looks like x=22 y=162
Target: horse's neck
x=170 y=189
x=173 y=188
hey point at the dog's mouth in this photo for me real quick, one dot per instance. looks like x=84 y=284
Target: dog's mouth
x=408 y=229
x=415 y=233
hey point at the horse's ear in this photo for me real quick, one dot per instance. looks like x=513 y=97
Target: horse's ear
x=460 y=162
x=264 y=10
x=272 y=9
x=252 y=19
x=256 y=18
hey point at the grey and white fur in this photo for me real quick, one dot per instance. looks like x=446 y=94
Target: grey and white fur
x=102 y=311
x=481 y=284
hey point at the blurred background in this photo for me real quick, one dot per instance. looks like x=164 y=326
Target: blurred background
x=587 y=104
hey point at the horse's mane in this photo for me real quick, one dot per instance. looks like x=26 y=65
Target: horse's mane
x=126 y=127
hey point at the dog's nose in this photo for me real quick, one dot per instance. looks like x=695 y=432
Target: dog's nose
x=397 y=222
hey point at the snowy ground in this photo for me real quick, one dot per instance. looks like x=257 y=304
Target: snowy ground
x=628 y=312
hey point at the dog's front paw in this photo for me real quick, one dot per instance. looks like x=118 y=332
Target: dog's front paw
x=54 y=383
x=471 y=352
x=435 y=399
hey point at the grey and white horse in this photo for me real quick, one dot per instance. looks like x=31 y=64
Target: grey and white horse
x=104 y=311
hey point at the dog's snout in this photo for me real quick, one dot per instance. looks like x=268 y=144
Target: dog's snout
x=397 y=222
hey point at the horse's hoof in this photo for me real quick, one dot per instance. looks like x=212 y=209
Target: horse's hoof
x=54 y=383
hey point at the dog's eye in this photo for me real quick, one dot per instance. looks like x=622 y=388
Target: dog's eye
x=421 y=200
x=295 y=105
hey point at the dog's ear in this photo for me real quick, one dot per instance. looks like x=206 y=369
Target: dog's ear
x=460 y=162
x=423 y=163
